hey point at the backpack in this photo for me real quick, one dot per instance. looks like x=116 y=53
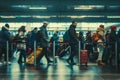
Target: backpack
x=39 y=35
x=66 y=36
x=95 y=37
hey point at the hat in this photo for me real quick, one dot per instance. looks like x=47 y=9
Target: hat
x=7 y=25
x=45 y=22
x=113 y=27
x=102 y=26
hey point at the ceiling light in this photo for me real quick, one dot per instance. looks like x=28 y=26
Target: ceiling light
x=86 y=16
x=41 y=16
x=84 y=7
x=8 y=16
x=38 y=8
x=113 y=16
x=20 y=6
x=23 y=16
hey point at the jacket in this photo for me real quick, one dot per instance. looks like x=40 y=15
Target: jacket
x=44 y=37
x=73 y=36
x=101 y=31
x=4 y=37
x=21 y=40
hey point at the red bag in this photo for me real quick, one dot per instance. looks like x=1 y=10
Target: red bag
x=83 y=57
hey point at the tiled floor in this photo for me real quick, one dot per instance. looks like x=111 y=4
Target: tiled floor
x=60 y=71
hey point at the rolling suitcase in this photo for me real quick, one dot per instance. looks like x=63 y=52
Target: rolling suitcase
x=30 y=58
x=83 y=57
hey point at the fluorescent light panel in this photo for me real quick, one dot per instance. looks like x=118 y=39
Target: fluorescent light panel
x=8 y=16
x=113 y=16
x=20 y=6
x=85 y=16
x=41 y=16
x=38 y=8
x=84 y=7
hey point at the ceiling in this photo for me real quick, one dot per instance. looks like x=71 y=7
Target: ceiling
x=59 y=10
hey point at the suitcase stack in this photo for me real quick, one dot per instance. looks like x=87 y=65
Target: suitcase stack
x=30 y=58
x=83 y=57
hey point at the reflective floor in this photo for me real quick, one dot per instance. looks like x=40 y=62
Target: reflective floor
x=60 y=71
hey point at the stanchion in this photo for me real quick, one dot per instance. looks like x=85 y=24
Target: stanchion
x=116 y=58
x=7 y=44
x=54 y=52
x=79 y=52
x=34 y=53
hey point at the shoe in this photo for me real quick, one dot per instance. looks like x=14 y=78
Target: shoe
x=101 y=63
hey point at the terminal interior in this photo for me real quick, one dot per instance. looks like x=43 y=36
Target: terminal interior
x=89 y=15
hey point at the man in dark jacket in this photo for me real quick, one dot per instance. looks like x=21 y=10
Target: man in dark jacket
x=112 y=39
x=43 y=42
x=73 y=42
x=4 y=37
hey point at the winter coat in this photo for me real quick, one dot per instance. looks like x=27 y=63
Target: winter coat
x=21 y=40
x=113 y=36
x=4 y=37
x=73 y=35
x=44 y=37
x=88 y=38
x=101 y=31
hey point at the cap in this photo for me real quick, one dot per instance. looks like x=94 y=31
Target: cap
x=102 y=26
x=45 y=22
x=113 y=27
x=7 y=25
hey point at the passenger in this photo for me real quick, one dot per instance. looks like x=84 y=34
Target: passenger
x=32 y=38
x=113 y=38
x=101 y=30
x=95 y=38
x=107 y=38
x=100 y=47
x=4 y=37
x=20 y=38
x=81 y=38
x=42 y=33
x=89 y=44
x=73 y=42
